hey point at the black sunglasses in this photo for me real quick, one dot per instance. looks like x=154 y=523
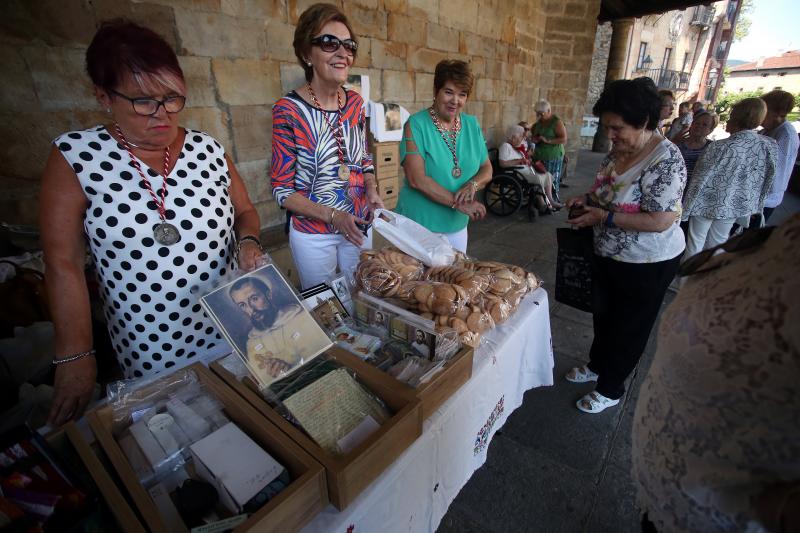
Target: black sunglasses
x=149 y=106
x=748 y=239
x=331 y=43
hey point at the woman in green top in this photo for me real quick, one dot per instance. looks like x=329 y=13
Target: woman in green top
x=550 y=136
x=445 y=159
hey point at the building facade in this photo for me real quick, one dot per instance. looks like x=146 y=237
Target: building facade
x=683 y=51
x=766 y=74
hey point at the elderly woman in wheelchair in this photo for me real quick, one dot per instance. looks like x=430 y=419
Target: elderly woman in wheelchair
x=514 y=155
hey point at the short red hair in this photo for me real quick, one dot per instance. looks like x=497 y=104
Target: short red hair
x=122 y=48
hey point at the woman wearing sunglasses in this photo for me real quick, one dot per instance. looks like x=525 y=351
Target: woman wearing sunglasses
x=161 y=208
x=322 y=172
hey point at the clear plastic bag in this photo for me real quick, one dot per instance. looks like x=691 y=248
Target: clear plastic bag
x=377 y=278
x=407 y=267
x=414 y=239
x=326 y=401
x=156 y=422
x=472 y=282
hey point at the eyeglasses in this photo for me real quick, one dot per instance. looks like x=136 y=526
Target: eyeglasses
x=149 y=106
x=331 y=43
x=748 y=239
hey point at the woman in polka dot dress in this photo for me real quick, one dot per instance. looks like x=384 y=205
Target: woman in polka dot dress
x=160 y=207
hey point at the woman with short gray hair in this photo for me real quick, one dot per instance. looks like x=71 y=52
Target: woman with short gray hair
x=550 y=136
x=516 y=153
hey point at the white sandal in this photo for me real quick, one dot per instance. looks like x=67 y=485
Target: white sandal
x=580 y=374
x=594 y=402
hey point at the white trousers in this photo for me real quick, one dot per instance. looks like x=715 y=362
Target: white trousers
x=317 y=256
x=458 y=239
x=705 y=233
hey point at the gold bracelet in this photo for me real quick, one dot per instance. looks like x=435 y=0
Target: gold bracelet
x=333 y=213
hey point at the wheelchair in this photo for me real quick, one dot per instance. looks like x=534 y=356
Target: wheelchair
x=509 y=190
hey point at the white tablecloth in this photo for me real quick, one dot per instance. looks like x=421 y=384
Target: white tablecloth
x=413 y=494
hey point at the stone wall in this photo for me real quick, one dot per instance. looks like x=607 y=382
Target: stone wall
x=238 y=59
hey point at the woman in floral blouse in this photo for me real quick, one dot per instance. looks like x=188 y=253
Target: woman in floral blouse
x=634 y=208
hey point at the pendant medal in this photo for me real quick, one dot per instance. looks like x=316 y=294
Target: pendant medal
x=456 y=172
x=166 y=234
x=344 y=172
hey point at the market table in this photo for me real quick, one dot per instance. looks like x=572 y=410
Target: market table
x=414 y=493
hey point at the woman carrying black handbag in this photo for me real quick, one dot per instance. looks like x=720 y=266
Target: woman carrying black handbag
x=633 y=208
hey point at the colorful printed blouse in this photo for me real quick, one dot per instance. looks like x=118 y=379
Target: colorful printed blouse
x=305 y=158
x=654 y=184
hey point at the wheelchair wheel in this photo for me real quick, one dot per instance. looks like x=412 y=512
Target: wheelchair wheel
x=503 y=196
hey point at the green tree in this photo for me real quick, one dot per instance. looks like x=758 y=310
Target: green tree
x=744 y=22
x=723 y=105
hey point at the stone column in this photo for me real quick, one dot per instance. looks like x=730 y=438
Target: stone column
x=617 y=61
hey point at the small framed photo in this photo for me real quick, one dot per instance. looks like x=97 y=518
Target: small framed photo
x=421 y=340
x=266 y=323
x=380 y=320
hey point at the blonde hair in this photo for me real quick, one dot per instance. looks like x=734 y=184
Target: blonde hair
x=714 y=117
x=748 y=113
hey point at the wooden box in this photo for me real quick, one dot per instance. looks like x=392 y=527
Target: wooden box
x=298 y=503
x=350 y=474
x=433 y=393
x=70 y=436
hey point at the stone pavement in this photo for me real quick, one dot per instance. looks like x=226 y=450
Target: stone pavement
x=550 y=467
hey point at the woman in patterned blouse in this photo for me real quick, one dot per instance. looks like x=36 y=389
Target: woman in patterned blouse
x=731 y=178
x=634 y=208
x=321 y=169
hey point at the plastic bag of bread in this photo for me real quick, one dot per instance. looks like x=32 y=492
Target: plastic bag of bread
x=409 y=268
x=473 y=282
x=377 y=278
x=471 y=339
x=498 y=308
x=434 y=297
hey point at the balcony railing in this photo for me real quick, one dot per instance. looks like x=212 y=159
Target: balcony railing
x=703 y=16
x=667 y=79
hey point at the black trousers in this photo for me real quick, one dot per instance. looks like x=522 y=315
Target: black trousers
x=627 y=298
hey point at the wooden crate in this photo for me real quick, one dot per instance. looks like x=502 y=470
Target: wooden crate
x=70 y=435
x=433 y=393
x=297 y=504
x=350 y=474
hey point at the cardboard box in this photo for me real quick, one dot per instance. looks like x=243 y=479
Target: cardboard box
x=70 y=435
x=350 y=474
x=389 y=188
x=386 y=158
x=433 y=393
x=390 y=204
x=290 y=510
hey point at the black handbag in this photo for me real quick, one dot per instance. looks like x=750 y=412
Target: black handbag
x=574 y=267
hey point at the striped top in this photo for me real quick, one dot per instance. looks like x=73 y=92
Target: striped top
x=690 y=157
x=305 y=158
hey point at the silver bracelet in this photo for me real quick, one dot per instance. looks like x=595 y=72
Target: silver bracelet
x=75 y=357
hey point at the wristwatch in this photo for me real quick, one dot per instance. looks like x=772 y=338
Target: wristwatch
x=610 y=219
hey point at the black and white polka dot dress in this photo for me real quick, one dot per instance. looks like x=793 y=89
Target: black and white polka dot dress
x=152 y=318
